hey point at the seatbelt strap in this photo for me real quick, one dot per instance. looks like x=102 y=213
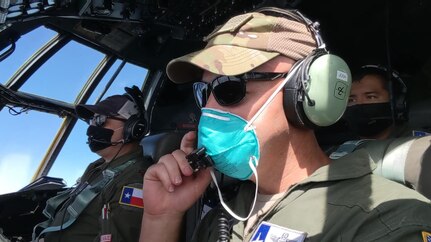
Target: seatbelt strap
x=346 y=148
x=81 y=201
x=50 y=209
x=53 y=203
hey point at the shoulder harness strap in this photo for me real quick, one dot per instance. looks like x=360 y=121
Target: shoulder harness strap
x=88 y=193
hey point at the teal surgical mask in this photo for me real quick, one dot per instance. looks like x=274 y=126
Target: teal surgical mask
x=229 y=141
x=232 y=145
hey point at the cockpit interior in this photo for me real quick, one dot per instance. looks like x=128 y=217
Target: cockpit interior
x=146 y=35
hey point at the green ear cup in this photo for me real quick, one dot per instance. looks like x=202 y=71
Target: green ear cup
x=328 y=86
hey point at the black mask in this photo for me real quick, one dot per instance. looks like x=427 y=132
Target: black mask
x=367 y=120
x=99 y=138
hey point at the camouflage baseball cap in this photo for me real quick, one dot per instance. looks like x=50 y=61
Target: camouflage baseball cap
x=243 y=43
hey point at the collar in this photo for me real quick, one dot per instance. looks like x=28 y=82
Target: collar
x=353 y=165
x=126 y=157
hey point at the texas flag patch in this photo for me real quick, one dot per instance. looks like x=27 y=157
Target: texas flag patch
x=267 y=232
x=426 y=236
x=132 y=196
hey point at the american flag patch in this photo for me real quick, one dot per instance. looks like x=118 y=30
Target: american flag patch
x=106 y=238
x=267 y=232
x=131 y=196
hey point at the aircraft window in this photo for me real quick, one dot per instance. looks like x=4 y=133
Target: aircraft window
x=25 y=139
x=75 y=155
x=64 y=74
x=25 y=47
x=129 y=75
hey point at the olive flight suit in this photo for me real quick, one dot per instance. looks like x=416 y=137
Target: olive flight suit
x=112 y=215
x=342 y=201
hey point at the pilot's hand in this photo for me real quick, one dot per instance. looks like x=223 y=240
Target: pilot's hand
x=170 y=187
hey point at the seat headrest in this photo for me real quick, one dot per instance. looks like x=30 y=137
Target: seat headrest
x=420 y=115
x=161 y=144
x=405 y=160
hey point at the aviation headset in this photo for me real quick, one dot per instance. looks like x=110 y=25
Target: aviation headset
x=136 y=125
x=396 y=87
x=318 y=91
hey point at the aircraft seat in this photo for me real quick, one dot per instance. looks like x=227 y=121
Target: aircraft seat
x=420 y=115
x=405 y=160
x=157 y=145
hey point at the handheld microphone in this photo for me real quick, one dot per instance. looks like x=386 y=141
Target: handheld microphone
x=198 y=159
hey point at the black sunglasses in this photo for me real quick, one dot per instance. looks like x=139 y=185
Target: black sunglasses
x=229 y=90
x=99 y=120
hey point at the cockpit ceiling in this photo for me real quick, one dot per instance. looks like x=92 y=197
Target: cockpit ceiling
x=150 y=32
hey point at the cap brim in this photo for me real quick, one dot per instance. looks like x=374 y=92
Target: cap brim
x=88 y=111
x=218 y=59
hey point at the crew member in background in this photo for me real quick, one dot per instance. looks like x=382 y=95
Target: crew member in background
x=106 y=204
x=377 y=107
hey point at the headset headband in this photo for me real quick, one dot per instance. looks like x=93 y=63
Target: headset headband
x=296 y=15
x=394 y=75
